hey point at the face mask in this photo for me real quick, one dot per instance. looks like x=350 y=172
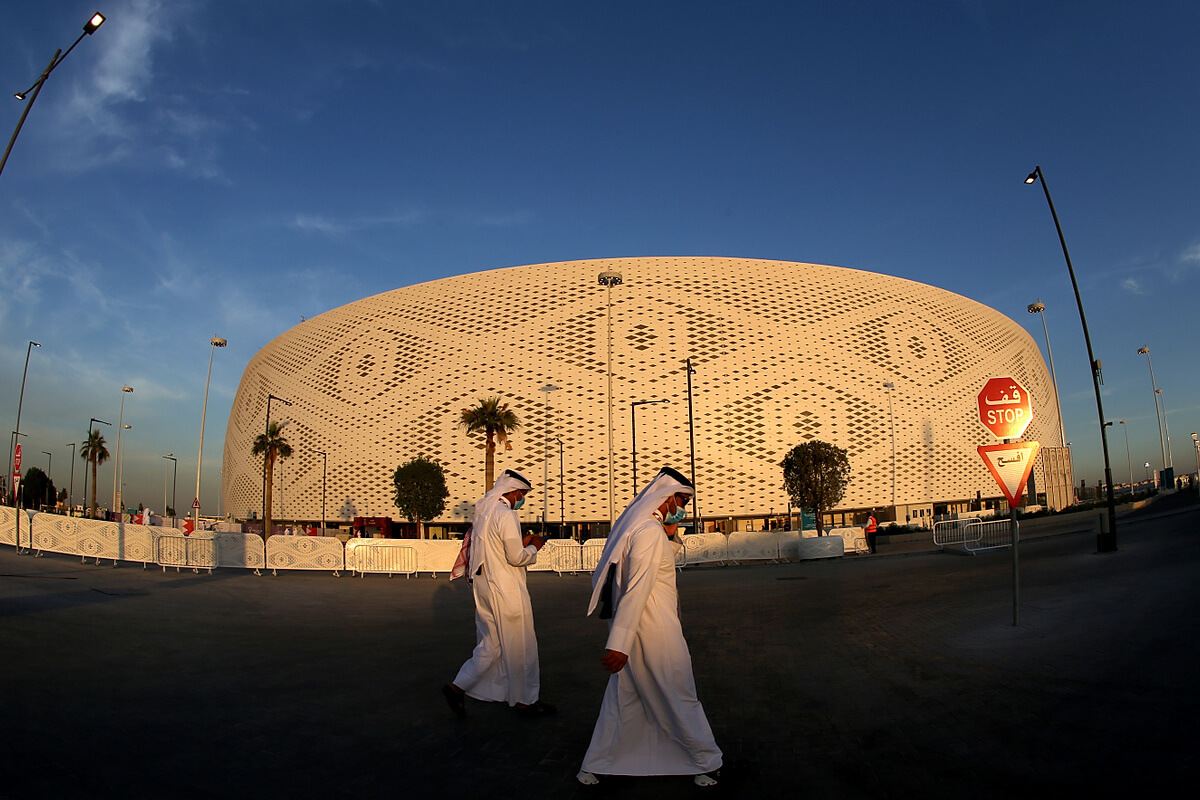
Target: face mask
x=517 y=505
x=675 y=517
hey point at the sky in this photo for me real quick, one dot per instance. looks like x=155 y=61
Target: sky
x=217 y=168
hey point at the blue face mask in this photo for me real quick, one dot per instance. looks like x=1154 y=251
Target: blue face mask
x=675 y=517
x=517 y=505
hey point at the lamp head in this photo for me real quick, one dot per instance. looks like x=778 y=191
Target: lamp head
x=96 y=21
x=19 y=95
x=36 y=344
x=610 y=278
x=1143 y=351
x=1036 y=308
x=127 y=389
x=217 y=341
x=1033 y=176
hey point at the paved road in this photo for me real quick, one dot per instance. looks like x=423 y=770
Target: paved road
x=858 y=678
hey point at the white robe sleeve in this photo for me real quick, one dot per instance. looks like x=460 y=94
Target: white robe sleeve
x=641 y=565
x=510 y=533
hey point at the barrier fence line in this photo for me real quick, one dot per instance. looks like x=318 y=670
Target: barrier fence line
x=973 y=535
x=170 y=547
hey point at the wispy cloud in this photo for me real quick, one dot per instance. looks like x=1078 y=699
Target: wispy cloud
x=317 y=223
x=1133 y=286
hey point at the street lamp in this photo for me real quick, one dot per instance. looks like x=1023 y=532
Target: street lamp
x=562 y=491
x=175 y=474
x=20 y=404
x=548 y=388
x=891 y=387
x=120 y=503
x=1196 y=446
x=1106 y=542
x=117 y=456
x=1128 y=458
x=1166 y=430
x=696 y=518
x=71 y=491
x=49 y=480
x=94 y=501
x=1162 y=443
x=216 y=342
x=270 y=397
x=89 y=28
x=609 y=279
x=1039 y=308
x=324 y=464
x=633 y=428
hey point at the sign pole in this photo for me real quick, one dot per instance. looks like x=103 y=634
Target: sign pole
x=1016 y=559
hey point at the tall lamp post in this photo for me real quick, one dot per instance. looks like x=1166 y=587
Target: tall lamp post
x=324 y=464
x=1039 y=308
x=1196 y=446
x=94 y=501
x=1166 y=429
x=71 y=491
x=1162 y=443
x=216 y=342
x=20 y=404
x=1106 y=542
x=633 y=430
x=696 y=518
x=891 y=387
x=175 y=474
x=548 y=388
x=32 y=92
x=49 y=480
x=270 y=397
x=117 y=455
x=562 y=491
x=121 y=475
x=609 y=279
x=1128 y=458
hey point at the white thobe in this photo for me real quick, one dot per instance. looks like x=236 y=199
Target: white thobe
x=651 y=722
x=504 y=665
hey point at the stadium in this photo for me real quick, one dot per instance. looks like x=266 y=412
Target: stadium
x=780 y=353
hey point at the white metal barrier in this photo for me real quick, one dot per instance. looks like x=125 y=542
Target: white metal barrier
x=240 y=550
x=14 y=526
x=591 y=551
x=197 y=551
x=305 y=552
x=393 y=556
x=974 y=535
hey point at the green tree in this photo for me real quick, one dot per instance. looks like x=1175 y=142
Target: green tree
x=94 y=453
x=420 y=491
x=36 y=488
x=815 y=475
x=270 y=445
x=497 y=422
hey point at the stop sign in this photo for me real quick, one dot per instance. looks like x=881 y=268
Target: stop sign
x=1005 y=408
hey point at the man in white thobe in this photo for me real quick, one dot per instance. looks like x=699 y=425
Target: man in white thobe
x=504 y=664
x=651 y=722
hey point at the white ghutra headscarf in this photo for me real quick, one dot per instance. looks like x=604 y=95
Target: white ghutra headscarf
x=467 y=563
x=666 y=483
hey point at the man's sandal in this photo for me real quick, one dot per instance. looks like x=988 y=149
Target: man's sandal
x=538 y=709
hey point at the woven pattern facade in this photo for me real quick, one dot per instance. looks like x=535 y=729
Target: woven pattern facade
x=783 y=353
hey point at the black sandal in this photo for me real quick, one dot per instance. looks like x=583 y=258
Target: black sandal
x=455 y=701
x=538 y=709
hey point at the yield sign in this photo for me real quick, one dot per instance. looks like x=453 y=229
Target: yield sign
x=1010 y=464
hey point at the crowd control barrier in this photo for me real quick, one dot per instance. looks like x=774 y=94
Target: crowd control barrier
x=208 y=550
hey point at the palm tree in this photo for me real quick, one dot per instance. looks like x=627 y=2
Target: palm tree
x=273 y=445
x=95 y=453
x=495 y=420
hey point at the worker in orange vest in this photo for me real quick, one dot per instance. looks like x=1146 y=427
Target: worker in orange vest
x=871 y=528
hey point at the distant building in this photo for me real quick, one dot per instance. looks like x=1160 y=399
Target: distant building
x=782 y=352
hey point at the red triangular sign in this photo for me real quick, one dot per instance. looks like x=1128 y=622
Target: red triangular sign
x=1011 y=465
x=196 y=503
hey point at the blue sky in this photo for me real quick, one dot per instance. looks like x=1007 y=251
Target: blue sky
x=198 y=168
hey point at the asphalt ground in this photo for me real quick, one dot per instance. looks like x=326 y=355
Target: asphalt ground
x=862 y=677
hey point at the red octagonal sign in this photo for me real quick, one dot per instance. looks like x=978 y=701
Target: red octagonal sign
x=1005 y=408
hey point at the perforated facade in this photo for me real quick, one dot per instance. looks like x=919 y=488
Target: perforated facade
x=783 y=352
